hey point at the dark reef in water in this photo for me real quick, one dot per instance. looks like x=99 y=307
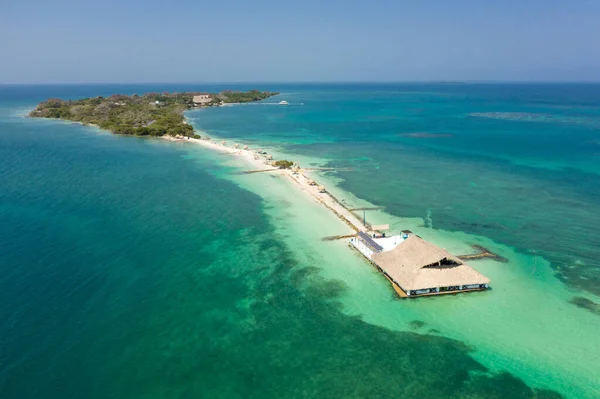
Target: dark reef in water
x=416 y=324
x=307 y=324
x=483 y=253
x=587 y=304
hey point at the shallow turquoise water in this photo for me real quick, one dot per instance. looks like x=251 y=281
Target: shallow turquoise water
x=138 y=268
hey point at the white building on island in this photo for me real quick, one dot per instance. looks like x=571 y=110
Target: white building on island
x=202 y=99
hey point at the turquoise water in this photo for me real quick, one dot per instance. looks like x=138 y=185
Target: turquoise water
x=142 y=268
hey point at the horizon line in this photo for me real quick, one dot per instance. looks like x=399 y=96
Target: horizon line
x=309 y=82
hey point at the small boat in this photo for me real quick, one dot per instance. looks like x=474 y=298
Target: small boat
x=283 y=102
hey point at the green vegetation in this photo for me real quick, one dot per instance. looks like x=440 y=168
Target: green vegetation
x=151 y=114
x=283 y=164
x=229 y=96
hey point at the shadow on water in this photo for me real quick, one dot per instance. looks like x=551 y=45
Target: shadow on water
x=587 y=304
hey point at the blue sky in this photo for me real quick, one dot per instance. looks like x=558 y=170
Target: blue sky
x=233 y=41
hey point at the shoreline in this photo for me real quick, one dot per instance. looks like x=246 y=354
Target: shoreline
x=299 y=177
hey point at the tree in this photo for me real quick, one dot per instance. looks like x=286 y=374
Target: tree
x=283 y=164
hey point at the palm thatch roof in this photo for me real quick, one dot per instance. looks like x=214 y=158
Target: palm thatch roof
x=416 y=264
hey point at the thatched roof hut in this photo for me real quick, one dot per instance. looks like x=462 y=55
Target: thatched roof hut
x=245 y=147
x=223 y=142
x=322 y=189
x=416 y=264
x=237 y=145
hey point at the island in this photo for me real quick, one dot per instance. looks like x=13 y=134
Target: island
x=150 y=114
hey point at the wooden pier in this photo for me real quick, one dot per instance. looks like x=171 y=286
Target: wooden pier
x=483 y=253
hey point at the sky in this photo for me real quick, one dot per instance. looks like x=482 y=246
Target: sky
x=131 y=41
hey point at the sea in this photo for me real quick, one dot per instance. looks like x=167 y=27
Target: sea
x=142 y=268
